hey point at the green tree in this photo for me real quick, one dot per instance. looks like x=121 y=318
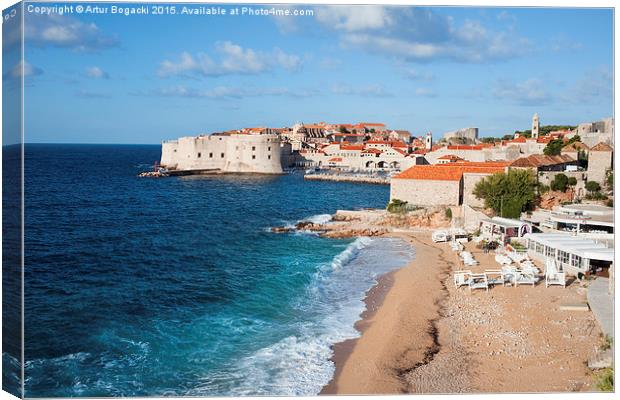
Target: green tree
x=574 y=139
x=448 y=213
x=342 y=129
x=560 y=183
x=554 y=147
x=572 y=181
x=508 y=194
x=609 y=180
x=593 y=187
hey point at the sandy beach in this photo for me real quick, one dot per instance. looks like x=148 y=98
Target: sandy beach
x=420 y=334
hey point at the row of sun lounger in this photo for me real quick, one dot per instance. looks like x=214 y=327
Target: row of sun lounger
x=491 y=277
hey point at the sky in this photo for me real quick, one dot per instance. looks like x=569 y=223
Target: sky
x=110 y=78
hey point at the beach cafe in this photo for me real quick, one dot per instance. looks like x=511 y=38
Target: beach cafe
x=503 y=229
x=573 y=254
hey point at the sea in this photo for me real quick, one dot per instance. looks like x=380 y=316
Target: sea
x=177 y=287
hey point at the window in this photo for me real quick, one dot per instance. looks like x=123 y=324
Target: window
x=253 y=157
x=210 y=155
x=269 y=148
x=269 y=157
x=253 y=148
x=199 y=154
x=563 y=257
x=222 y=155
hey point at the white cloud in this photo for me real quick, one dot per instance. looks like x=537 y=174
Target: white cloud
x=596 y=86
x=88 y=94
x=353 y=18
x=415 y=74
x=22 y=68
x=418 y=34
x=227 y=92
x=96 y=73
x=233 y=59
x=62 y=31
x=366 y=91
x=529 y=92
x=425 y=92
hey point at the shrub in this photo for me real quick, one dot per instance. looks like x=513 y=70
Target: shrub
x=596 y=196
x=610 y=203
x=607 y=342
x=572 y=181
x=592 y=186
x=560 y=183
x=605 y=380
x=449 y=213
x=397 y=206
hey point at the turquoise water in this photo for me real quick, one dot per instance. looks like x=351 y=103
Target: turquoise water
x=176 y=286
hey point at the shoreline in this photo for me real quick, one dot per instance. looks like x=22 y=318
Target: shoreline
x=377 y=352
x=342 y=350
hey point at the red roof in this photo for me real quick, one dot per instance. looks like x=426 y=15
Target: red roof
x=452 y=171
x=370 y=124
x=378 y=142
x=372 y=150
x=520 y=139
x=398 y=143
x=351 y=147
x=601 y=147
x=450 y=157
x=335 y=159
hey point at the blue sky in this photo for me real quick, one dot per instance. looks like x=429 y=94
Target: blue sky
x=140 y=79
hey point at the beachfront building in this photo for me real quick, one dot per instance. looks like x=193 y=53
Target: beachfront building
x=572 y=253
x=449 y=184
x=503 y=229
x=223 y=152
x=582 y=219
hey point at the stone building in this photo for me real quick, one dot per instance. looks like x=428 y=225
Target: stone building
x=592 y=133
x=232 y=152
x=443 y=184
x=462 y=136
x=600 y=160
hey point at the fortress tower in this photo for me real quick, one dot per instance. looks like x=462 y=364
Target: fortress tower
x=535 y=126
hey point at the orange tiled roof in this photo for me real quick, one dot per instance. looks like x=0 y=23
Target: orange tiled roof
x=352 y=147
x=370 y=124
x=574 y=147
x=450 y=172
x=398 y=143
x=601 y=147
x=335 y=159
x=466 y=147
x=449 y=157
x=373 y=151
x=540 y=160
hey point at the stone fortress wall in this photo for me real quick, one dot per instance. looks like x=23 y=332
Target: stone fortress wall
x=240 y=153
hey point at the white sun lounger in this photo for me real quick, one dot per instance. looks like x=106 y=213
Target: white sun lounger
x=495 y=277
x=478 y=281
x=526 y=278
x=461 y=278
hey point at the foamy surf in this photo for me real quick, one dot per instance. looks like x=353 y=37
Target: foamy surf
x=299 y=364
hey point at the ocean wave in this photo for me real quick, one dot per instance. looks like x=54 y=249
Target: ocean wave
x=300 y=363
